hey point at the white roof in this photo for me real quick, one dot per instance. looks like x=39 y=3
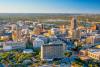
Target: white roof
x=38 y=39
x=28 y=51
x=95 y=51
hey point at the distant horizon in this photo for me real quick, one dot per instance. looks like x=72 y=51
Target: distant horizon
x=49 y=13
x=45 y=13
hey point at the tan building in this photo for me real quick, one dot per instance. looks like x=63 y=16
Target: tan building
x=93 y=39
x=74 y=24
x=83 y=55
x=94 y=53
x=76 y=34
x=51 y=51
x=74 y=31
x=62 y=28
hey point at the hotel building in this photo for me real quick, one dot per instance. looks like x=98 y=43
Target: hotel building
x=52 y=51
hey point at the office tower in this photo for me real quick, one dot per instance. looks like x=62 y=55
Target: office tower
x=75 y=32
x=74 y=24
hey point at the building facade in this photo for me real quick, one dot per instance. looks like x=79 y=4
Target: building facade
x=94 y=53
x=74 y=31
x=52 y=51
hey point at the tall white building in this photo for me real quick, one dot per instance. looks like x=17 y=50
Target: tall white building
x=37 y=43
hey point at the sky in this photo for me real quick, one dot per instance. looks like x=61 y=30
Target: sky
x=50 y=6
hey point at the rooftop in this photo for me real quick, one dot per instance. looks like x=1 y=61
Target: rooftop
x=95 y=51
x=98 y=46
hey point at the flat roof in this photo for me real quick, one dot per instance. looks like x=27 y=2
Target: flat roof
x=52 y=45
x=95 y=51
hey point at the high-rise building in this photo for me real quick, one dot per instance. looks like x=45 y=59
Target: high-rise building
x=74 y=24
x=75 y=32
x=52 y=51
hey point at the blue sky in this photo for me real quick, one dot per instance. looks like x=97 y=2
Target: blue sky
x=50 y=6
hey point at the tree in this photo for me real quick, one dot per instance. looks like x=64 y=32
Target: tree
x=79 y=62
x=5 y=58
x=78 y=47
x=90 y=65
x=68 y=54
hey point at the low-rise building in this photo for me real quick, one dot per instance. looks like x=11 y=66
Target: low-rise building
x=94 y=53
x=13 y=45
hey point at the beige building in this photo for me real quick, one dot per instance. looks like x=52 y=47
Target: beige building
x=90 y=53
x=96 y=38
x=51 y=51
x=74 y=31
x=74 y=23
x=94 y=53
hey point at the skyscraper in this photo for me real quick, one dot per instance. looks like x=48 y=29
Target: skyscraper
x=74 y=24
x=75 y=32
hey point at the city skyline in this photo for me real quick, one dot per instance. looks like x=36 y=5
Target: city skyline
x=50 y=6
